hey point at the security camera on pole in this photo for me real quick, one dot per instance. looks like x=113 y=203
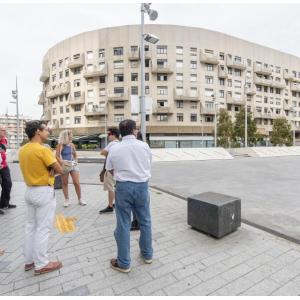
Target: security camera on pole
x=153 y=14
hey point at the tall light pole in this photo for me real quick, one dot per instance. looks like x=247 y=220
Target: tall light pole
x=215 y=119
x=293 y=125
x=145 y=7
x=246 y=109
x=15 y=95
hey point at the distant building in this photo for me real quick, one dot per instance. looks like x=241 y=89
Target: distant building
x=10 y=122
x=92 y=81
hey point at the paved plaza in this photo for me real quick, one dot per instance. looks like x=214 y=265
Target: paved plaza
x=186 y=262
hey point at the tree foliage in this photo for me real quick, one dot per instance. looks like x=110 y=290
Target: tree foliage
x=281 y=134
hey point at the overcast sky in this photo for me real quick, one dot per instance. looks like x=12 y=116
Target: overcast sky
x=27 y=31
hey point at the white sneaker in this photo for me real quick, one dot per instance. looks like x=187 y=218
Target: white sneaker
x=82 y=202
x=66 y=203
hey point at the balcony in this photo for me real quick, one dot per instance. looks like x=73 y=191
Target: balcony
x=95 y=72
x=186 y=96
x=147 y=54
x=46 y=116
x=262 y=115
x=208 y=58
x=162 y=110
x=207 y=110
x=51 y=94
x=76 y=63
x=262 y=81
x=165 y=69
x=134 y=55
x=222 y=73
x=235 y=63
x=286 y=106
x=295 y=87
x=278 y=84
x=233 y=100
x=45 y=74
x=118 y=97
x=95 y=111
x=250 y=91
x=260 y=69
x=77 y=100
x=42 y=98
x=65 y=88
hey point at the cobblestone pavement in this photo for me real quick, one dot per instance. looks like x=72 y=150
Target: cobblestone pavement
x=186 y=262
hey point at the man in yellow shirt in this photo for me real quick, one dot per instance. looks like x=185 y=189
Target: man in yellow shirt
x=38 y=166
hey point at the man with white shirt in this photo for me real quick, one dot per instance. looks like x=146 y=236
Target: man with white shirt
x=130 y=162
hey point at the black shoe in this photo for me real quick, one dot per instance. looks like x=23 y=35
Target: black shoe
x=1 y=212
x=135 y=225
x=106 y=210
x=11 y=206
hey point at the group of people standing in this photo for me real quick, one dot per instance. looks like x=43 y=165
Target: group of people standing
x=125 y=177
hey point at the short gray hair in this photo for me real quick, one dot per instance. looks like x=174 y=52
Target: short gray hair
x=64 y=137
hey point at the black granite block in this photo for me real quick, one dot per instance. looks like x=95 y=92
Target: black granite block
x=213 y=213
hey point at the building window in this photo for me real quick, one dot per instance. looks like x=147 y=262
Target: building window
x=179 y=104
x=134 y=76
x=53 y=77
x=76 y=56
x=208 y=92
x=102 y=92
x=67 y=110
x=147 y=90
x=193 y=117
x=53 y=66
x=77 y=94
x=222 y=81
x=229 y=70
x=221 y=56
x=90 y=67
x=61 y=98
x=179 y=90
x=118 y=118
x=118 y=51
x=179 y=77
x=161 y=49
x=237 y=72
x=102 y=79
x=54 y=111
x=193 y=51
x=76 y=82
x=119 y=105
x=221 y=94
x=162 y=103
x=193 y=78
x=77 y=71
x=67 y=121
x=229 y=83
x=134 y=90
x=119 y=90
x=179 y=117
x=77 y=120
x=194 y=104
x=89 y=54
x=209 y=67
x=162 y=117
x=118 y=64
x=60 y=62
x=101 y=53
x=249 y=62
x=162 y=90
x=193 y=64
x=90 y=93
x=77 y=107
x=179 y=50
x=66 y=73
x=118 y=77
x=146 y=76
x=179 y=64
x=162 y=77
x=209 y=79
x=193 y=92
x=134 y=64
x=61 y=109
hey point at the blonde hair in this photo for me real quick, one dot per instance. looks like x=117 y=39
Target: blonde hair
x=64 y=137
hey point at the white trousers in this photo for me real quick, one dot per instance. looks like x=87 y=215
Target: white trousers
x=41 y=204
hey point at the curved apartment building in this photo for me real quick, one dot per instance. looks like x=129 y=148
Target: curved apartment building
x=92 y=81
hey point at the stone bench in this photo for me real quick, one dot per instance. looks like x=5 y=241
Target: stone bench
x=214 y=214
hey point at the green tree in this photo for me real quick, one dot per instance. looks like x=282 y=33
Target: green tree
x=281 y=134
x=239 y=127
x=225 y=129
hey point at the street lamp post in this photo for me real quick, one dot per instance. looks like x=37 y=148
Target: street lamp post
x=145 y=7
x=215 y=119
x=293 y=125
x=246 y=109
x=15 y=95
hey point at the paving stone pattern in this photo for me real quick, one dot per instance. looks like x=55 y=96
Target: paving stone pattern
x=186 y=262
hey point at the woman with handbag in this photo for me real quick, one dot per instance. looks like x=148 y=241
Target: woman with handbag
x=66 y=155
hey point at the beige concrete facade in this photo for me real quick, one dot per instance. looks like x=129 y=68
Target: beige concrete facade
x=92 y=81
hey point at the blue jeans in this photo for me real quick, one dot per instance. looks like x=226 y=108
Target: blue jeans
x=132 y=197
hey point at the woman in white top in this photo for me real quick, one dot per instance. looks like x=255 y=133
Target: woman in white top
x=66 y=155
